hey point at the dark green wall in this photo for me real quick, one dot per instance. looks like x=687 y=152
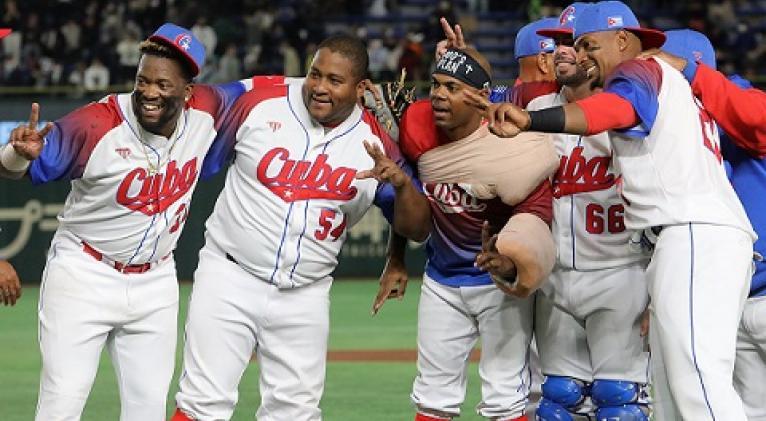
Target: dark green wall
x=28 y=221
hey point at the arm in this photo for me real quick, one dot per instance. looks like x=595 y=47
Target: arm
x=412 y=212
x=522 y=255
x=393 y=280
x=740 y=112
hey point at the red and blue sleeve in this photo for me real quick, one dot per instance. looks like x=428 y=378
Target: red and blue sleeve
x=739 y=109
x=69 y=145
x=230 y=105
x=638 y=82
x=385 y=194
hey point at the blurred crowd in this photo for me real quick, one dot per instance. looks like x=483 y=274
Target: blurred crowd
x=93 y=44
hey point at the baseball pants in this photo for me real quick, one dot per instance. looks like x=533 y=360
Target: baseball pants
x=450 y=321
x=85 y=305
x=750 y=365
x=588 y=324
x=231 y=315
x=698 y=280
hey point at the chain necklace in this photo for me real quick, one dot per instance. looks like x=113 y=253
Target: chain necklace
x=150 y=166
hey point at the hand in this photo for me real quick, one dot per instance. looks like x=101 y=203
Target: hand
x=454 y=39
x=385 y=170
x=499 y=266
x=678 y=63
x=505 y=119
x=393 y=283
x=10 y=286
x=26 y=139
x=644 y=323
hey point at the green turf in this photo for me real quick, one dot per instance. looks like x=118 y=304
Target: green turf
x=354 y=390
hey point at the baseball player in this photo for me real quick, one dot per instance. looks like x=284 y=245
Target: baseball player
x=597 y=291
x=534 y=54
x=747 y=172
x=297 y=184
x=110 y=280
x=10 y=286
x=469 y=177
x=666 y=148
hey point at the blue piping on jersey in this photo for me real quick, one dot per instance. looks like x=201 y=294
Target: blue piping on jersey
x=151 y=224
x=571 y=220
x=306 y=209
x=290 y=208
x=691 y=321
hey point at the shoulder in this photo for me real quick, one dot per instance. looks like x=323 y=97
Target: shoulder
x=417 y=130
x=647 y=71
x=95 y=119
x=545 y=101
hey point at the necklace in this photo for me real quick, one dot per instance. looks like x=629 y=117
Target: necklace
x=150 y=166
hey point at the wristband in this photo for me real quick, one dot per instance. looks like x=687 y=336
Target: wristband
x=11 y=160
x=547 y=120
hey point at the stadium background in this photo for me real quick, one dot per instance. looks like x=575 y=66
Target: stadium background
x=65 y=53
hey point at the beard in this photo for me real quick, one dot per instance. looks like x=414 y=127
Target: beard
x=170 y=108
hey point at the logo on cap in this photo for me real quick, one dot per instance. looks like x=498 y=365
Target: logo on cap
x=184 y=41
x=567 y=16
x=614 y=21
x=547 y=44
x=697 y=55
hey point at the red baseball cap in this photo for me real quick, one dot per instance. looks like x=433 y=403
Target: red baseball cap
x=4 y=32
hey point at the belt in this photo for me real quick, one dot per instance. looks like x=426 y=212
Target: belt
x=119 y=266
x=231 y=259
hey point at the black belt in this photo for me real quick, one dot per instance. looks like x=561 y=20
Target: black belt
x=231 y=259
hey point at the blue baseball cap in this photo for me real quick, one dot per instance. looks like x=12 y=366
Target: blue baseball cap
x=183 y=41
x=528 y=43
x=693 y=47
x=566 y=21
x=612 y=16
x=690 y=45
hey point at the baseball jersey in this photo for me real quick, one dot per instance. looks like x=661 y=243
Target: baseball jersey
x=130 y=189
x=291 y=193
x=747 y=172
x=671 y=161
x=588 y=213
x=457 y=213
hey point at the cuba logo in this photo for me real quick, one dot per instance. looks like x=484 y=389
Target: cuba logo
x=184 y=41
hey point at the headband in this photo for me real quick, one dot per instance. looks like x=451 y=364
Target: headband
x=463 y=67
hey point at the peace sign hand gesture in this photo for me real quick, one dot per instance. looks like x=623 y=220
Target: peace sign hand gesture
x=385 y=170
x=26 y=140
x=454 y=38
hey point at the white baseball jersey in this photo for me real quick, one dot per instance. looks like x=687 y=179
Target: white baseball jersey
x=291 y=194
x=131 y=188
x=671 y=162
x=588 y=213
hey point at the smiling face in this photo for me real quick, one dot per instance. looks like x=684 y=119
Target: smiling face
x=598 y=53
x=331 y=88
x=159 y=94
x=568 y=72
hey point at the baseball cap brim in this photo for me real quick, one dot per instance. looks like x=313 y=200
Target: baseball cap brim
x=4 y=32
x=556 y=32
x=650 y=38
